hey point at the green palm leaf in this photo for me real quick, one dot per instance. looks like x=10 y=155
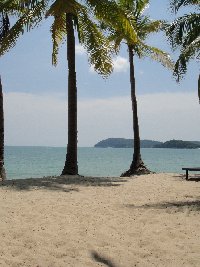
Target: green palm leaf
x=184 y=34
x=156 y=54
x=58 y=31
x=176 y=4
x=96 y=44
x=58 y=10
x=184 y=30
x=111 y=14
x=4 y=25
x=185 y=56
x=27 y=21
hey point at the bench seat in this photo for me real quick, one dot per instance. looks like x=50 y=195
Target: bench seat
x=190 y=169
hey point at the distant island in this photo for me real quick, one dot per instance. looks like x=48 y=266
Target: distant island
x=178 y=144
x=125 y=143
x=128 y=143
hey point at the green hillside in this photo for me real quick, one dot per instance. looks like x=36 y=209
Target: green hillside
x=178 y=144
x=124 y=143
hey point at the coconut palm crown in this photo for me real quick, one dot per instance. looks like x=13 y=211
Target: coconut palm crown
x=30 y=13
x=184 y=34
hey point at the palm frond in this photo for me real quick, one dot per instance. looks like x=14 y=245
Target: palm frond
x=182 y=28
x=152 y=26
x=26 y=22
x=140 y=6
x=28 y=4
x=60 y=7
x=97 y=46
x=18 y=7
x=4 y=25
x=176 y=4
x=184 y=33
x=109 y=12
x=185 y=56
x=157 y=55
x=136 y=7
x=58 y=10
x=126 y=4
x=58 y=33
x=116 y=38
x=145 y=27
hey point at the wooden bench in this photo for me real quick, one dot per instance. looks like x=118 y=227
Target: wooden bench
x=190 y=169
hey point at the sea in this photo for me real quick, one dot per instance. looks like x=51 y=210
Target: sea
x=31 y=162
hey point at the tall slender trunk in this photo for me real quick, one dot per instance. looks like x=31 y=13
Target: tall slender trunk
x=199 y=88
x=137 y=165
x=71 y=166
x=134 y=109
x=2 y=170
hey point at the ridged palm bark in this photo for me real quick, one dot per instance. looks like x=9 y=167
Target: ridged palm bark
x=4 y=27
x=199 y=88
x=71 y=166
x=2 y=169
x=137 y=165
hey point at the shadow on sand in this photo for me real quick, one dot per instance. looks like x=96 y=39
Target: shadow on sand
x=99 y=258
x=193 y=177
x=177 y=206
x=62 y=183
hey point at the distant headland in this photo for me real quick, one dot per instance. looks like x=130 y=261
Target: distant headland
x=128 y=143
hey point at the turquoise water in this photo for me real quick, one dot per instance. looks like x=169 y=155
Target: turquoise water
x=26 y=162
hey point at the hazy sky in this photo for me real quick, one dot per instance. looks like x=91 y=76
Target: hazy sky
x=36 y=94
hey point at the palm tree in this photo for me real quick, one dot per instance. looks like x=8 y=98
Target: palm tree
x=2 y=170
x=4 y=27
x=184 y=34
x=143 y=27
x=68 y=16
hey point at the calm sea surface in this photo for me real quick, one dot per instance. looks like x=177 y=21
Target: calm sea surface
x=26 y=162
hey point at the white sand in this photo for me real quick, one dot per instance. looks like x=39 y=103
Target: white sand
x=145 y=221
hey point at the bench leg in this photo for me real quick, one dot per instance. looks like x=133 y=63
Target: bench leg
x=186 y=174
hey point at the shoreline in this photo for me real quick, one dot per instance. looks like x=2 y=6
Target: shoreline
x=148 y=220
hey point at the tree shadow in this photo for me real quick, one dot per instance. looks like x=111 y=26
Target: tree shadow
x=99 y=258
x=176 y=206
x=62 y=183
x=193 y=177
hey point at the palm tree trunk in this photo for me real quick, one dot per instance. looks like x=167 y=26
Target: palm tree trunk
x=2 y=170
x=137 y=165
x=199 y=88
x=71 y=166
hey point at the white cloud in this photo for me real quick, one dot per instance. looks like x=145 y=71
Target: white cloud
x=42 y=120
x=91 y=69
x=80 y=50
x=120 y=64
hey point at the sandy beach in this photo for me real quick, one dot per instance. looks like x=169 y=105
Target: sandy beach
x=151 y=220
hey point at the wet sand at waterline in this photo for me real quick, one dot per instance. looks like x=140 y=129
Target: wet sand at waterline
x=151 y=220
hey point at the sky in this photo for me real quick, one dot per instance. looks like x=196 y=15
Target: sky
x=35 y=94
